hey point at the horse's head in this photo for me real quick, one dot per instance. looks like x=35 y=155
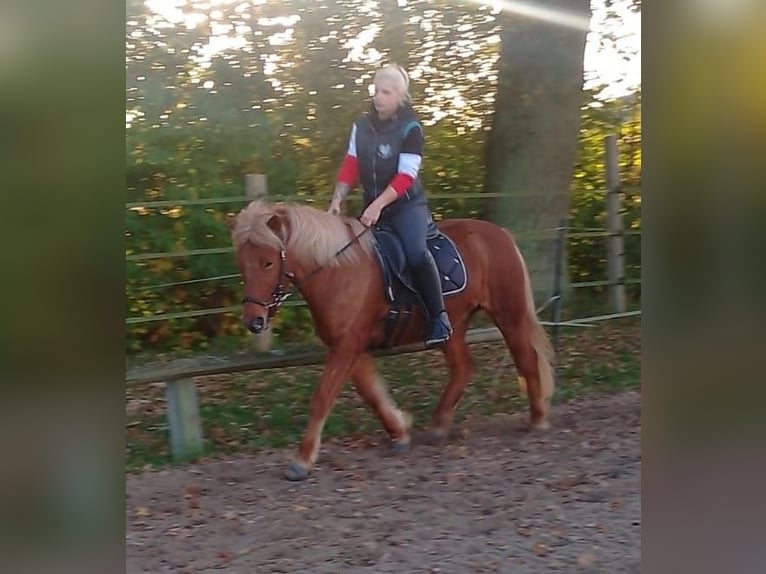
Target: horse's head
x=263 y=234
x=259 y=244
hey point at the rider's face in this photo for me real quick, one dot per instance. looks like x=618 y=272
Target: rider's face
x=387 y=98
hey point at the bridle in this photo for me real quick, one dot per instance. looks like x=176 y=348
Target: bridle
x=279 y=294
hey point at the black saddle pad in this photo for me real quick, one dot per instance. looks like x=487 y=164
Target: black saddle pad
x=397 y=279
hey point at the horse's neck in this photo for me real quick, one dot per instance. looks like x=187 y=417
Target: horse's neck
x=329 y=285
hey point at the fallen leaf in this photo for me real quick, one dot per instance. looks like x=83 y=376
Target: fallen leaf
x=586 y=560
x=142 y=511
x=190 y=495
x=191 y=489
x=540 y=549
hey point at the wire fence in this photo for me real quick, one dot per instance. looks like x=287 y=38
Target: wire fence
x=183 y=412
x=579 y=233
x=155 y=204
x=539 y=235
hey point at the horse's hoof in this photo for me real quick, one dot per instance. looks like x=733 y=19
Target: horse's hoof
x=438 y=435
x=400 y=446
x=407 y=420
x=296 y=472
x=540 y=426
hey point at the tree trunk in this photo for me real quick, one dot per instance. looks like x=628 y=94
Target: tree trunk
x=532 y=147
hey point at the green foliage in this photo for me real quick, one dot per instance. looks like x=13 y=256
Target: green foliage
x=587 y=256
x=282 y=105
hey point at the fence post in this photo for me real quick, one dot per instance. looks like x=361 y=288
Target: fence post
x=256 y=187
x=615 y=241
x=183 y=419
x=557 y=277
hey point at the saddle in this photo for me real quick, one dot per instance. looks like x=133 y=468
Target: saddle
x=398 y=285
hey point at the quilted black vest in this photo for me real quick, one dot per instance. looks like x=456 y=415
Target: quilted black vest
x=377 y=153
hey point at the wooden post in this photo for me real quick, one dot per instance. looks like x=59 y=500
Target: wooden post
x=557 y=293
x=183 y=419
x=256 y=187
x=557 y=280
x=616 y=240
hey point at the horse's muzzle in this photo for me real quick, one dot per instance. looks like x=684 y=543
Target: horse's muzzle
x=257 y=325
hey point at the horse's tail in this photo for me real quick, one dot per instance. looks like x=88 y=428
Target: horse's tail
x=540 y=340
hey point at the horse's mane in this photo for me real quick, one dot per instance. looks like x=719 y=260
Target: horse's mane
x=313 y=236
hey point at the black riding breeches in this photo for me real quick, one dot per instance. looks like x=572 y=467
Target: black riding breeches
x=411 y=224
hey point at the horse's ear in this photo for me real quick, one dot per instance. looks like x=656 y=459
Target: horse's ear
x=278 y=225
x=231 y=220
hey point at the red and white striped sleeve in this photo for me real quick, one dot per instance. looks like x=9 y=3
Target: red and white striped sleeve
x=349 y=169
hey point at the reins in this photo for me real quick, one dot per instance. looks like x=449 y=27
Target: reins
x=279 y=294
x=356 y=238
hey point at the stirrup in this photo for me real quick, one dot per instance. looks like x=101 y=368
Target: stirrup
x=438 y=325
x=436 y=342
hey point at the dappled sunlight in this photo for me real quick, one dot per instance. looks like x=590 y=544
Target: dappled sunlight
x=450 y=54
x=357 y=51
x=539 y=11
x=218 y=89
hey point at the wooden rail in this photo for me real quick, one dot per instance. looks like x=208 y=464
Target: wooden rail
x=184 y=422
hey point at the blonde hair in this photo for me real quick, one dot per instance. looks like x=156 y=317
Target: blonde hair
x=399 y=76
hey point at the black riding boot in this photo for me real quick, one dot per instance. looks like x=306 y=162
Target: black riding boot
x=429 y=284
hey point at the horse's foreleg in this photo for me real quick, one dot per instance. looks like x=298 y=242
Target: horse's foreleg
x=371 y=387
x=337 y=369
x=458 y=357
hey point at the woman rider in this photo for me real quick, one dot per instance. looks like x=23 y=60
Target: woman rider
x=384 y=154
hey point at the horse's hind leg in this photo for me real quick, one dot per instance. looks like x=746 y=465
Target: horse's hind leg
x=460 y=365
x=371 y=387
x=525 y=357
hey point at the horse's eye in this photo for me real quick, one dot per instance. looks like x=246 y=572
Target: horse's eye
x=268 y=264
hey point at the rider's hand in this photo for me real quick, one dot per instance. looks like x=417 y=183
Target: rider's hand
x=334 y=208
x=371 y=215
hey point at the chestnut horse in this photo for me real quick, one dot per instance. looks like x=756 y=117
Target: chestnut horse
x=330 y=259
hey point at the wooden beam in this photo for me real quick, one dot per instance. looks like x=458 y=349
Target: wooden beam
x=257 y=187
x=184 y=421
x=615 y=257
x=206 y=366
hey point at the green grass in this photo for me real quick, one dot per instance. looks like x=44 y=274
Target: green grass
x=248 y=412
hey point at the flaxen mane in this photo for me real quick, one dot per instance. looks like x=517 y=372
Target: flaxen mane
x=311 y=235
